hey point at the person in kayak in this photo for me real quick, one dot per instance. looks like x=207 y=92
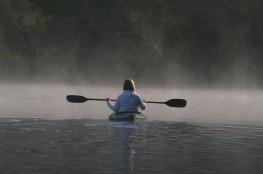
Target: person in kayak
x=128 y=100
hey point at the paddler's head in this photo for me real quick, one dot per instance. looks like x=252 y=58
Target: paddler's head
x=129 y=85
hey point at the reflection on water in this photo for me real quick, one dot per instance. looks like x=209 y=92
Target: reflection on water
x=100 y=146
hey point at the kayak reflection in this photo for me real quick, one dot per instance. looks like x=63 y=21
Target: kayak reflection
x=123 y=151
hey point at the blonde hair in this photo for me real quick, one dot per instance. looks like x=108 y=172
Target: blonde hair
x=129 y=85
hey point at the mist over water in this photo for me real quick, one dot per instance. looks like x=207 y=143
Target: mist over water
x=204 y=105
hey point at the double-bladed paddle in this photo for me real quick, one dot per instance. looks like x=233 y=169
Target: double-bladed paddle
x=172 y=102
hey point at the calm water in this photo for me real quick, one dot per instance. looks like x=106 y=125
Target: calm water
x=99 y=146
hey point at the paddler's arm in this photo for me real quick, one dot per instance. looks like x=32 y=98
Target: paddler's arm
x=114 y=107
x=142 y=105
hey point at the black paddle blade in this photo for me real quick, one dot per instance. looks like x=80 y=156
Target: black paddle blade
x=176 y=103
x=76 y=99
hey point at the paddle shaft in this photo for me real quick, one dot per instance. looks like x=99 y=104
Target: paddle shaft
x=102 y=99
x=154 y=102
x=171 y=102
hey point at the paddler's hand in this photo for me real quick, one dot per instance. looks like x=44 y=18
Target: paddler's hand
x=107 y=99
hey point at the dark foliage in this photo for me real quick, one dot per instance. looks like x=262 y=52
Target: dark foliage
x=170 y=40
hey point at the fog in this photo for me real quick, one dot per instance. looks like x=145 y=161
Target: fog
x=204 y=105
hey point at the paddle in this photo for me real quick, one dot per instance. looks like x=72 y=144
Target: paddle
x=172 y=102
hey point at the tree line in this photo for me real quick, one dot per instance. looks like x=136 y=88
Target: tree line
x=192 y=41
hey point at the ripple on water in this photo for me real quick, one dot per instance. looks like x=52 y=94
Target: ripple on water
x=96 y=146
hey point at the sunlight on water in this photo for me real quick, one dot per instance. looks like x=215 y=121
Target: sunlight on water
x=218 y=106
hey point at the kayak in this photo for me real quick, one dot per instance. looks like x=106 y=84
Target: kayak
x=122 y=116
x=125 y=116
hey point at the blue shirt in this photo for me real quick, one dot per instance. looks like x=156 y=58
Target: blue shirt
x=128 y=101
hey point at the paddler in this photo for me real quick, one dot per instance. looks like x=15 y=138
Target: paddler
x=128 y=100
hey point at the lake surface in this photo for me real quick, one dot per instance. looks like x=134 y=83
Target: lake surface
x=33 y=145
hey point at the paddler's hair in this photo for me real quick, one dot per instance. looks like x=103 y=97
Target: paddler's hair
x=129 y=85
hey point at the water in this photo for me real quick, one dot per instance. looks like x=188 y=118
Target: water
x=33 y=145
